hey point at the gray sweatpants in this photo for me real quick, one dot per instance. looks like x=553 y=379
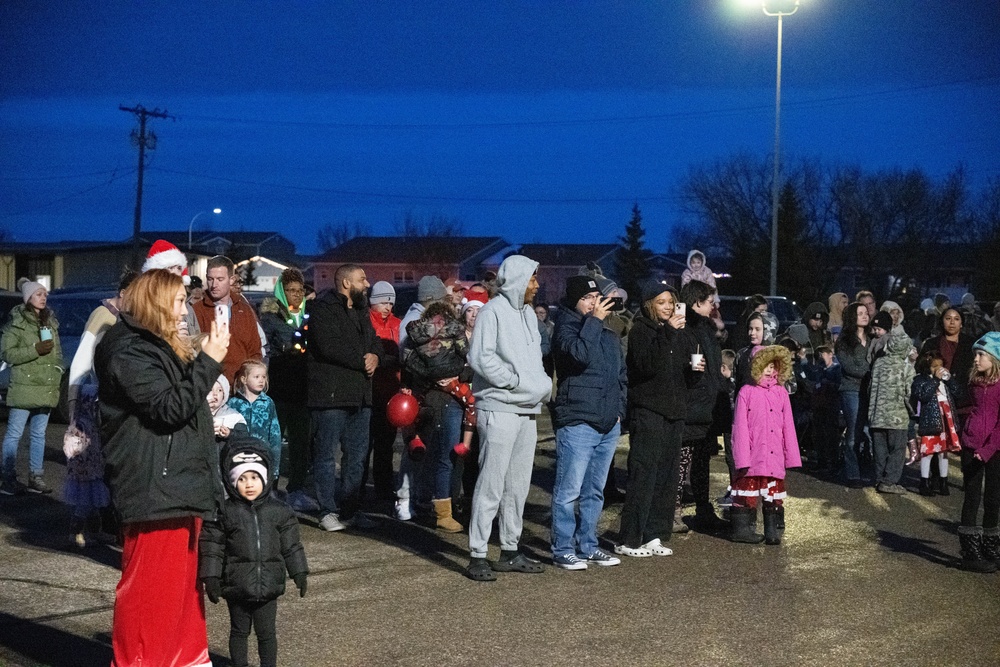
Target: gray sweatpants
x=506 y=458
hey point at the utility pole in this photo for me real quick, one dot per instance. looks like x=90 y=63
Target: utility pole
x=144 y=140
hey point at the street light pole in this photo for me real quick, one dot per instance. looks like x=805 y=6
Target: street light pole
x=775 y=184
x=216 y=211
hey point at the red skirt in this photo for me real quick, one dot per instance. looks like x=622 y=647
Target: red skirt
x=746 y=491
x=159 y=608
x=947 y=440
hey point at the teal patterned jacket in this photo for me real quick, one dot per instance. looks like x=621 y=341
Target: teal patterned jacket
x=260 y=416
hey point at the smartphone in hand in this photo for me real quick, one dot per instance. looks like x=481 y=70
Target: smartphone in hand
x=221 y=315
x=681 y=309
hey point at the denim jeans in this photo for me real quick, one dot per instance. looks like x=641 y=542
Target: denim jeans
x=19 y=417
x=348 y=429
x=853 y=434
x=442 y=433
x=583 y=456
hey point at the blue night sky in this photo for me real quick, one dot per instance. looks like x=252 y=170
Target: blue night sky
x=537 y=121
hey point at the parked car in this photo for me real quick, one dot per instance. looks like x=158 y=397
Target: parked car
x=786 y=310
x=72 y=309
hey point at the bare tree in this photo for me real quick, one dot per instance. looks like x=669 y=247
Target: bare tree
x=436 y=225
x=334 y=234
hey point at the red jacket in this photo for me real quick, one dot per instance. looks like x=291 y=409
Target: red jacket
x=244 y=339
x=385 y=382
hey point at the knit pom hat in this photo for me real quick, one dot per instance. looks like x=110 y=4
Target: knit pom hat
x=163 y=255
x=28 y=289
x=382 y=292
x=430 y=288
x=471 y=303
x=989 y=343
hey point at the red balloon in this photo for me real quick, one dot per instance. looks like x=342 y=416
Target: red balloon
x=401 y=410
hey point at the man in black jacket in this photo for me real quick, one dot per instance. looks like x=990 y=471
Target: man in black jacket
x=342 y=355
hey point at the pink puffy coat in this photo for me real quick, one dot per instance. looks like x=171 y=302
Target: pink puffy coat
x=764 y=439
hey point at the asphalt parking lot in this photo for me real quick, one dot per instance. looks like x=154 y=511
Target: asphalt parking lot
x=861 y=579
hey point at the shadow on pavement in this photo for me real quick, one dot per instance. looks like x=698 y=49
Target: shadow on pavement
x=38 y=643
x=916 y=547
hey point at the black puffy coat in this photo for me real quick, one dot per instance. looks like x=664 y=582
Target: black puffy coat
x=659 y=368
x=923 y=392
x=159 y=445
x=339 y=338
x=703 y=394
x=286 y=362
x=252 y=543
x=592 y=380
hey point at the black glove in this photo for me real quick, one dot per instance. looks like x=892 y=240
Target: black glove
x=213 y=589
x=300 y=583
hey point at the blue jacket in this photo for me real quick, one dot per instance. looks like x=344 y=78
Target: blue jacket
x=261 y=417
x=592 y=378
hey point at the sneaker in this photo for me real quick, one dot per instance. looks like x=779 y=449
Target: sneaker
x=362 y=521
x=37 y=485
x=895 y=489
x=300 y=501
x=603 y=558
x=725 y=500
x=569 y=562
x=331 y=523
x=11 y=487
x=403 y=512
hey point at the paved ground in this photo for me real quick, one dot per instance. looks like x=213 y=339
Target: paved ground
x=862 y=579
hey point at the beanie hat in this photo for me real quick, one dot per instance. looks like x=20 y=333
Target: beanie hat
x=471 y=303
x=578 y=287
x=223 y=381
x=989 y=343
x=163 y=255
x=606 y=286
x=882 y=320
x=430 y=288
x=799 y=333
x=28 y=289
x=244 y=461
x=382 y=292
x=968 y=299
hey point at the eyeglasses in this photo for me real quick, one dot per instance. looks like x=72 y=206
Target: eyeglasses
x=589 y=298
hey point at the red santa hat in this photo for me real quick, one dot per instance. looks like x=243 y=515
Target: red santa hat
x=163 y=255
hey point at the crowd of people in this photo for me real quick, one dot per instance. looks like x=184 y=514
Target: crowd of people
x=184 y=405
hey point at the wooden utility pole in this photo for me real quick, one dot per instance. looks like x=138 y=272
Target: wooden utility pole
x=144 y=140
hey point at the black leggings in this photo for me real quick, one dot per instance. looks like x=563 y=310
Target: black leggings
x=975 y=473
x=261 y=616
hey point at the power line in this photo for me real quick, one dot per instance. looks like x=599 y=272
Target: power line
x=114 y=177
x=57 y=178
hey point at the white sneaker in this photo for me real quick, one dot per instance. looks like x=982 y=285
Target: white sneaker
x=331 y=523
x=657 y=548
x=403 y=509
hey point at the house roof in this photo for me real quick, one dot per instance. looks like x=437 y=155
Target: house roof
x=566 y=254
x=180 y=239
x=409 y=250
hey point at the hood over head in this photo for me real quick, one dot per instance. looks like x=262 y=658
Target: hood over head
x=696 y=253
x=513 y=277
x=814 y=308
x=244 y=452
x=777 y=354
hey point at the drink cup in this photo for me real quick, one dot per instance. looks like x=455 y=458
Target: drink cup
x=696 y=359
x=45 y=333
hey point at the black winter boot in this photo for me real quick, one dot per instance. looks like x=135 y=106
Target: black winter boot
x=707 y=519
x=744 y=523
x=971 y=541
x=772 y=535
x=943 y=487
x=991 y=545
x=925 y=487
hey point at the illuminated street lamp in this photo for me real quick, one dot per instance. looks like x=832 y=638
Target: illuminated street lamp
x=216 y=211
x=785 y=8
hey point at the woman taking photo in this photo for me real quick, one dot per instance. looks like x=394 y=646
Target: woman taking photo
x=658 y=363
x=162 y=468
x=852 y=353
x=30 y=344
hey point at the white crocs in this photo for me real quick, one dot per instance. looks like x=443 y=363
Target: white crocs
x=634 y=552
x=656 y=548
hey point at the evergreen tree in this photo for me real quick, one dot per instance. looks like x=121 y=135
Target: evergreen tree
x=632 y=258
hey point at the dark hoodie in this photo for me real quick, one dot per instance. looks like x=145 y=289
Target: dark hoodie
x=253 y=542
x=821 y=337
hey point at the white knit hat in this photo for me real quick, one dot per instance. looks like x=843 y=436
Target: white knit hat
x=244 y=461
x=28 y=288
x=163 y=255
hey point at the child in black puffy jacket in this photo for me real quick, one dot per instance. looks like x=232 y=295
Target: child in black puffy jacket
x=244 y=554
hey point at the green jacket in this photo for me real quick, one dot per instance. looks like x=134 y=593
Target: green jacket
x=892 y=375
x=34 y=379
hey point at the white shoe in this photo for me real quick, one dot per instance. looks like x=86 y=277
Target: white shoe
x=403 y=509
x=657 y=548
x=637 y=552
x=331 y=523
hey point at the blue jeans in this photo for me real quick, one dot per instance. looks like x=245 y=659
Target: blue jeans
x=19 y=417
x=445 y=430
x=348 y=429
x=583 y=456
x=853 y=434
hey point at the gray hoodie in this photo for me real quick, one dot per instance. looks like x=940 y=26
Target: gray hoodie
x=505 y=351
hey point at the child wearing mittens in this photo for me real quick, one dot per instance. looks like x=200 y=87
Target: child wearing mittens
x=243 y=555
x=764 y=446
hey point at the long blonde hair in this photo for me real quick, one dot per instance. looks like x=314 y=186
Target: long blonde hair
x=150 y=302
x=989 y=377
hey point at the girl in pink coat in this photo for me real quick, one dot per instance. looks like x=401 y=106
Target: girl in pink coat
x=764 y=446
